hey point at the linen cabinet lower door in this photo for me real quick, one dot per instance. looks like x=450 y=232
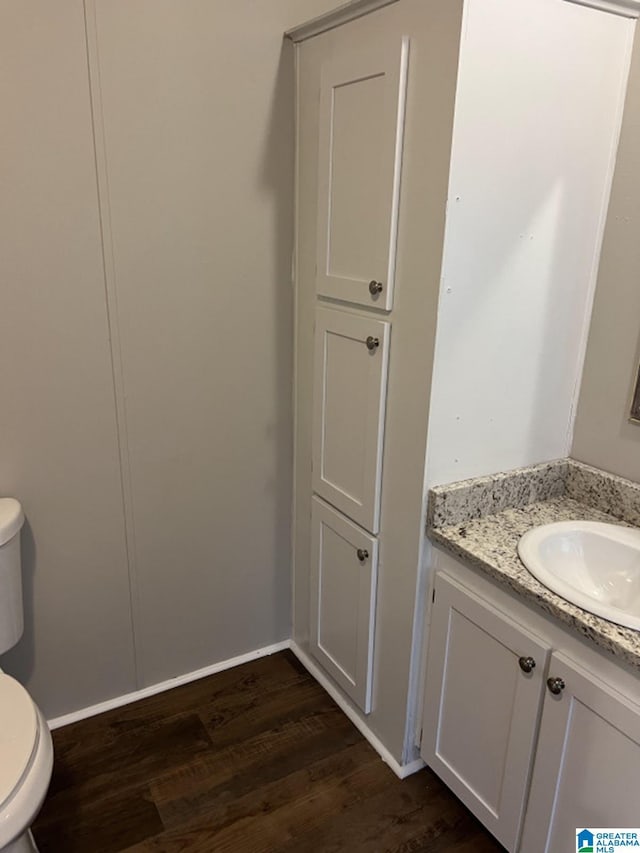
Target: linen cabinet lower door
x=344 y=560
x=483 y=693
x=587 y=768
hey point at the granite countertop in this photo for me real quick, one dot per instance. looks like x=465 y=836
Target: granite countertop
x=480 y=521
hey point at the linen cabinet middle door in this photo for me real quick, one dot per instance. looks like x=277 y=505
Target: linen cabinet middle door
x=349 y=393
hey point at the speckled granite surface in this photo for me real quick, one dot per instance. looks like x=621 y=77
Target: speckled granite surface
x=614 y=495
x=480 y=522
x=459 y=502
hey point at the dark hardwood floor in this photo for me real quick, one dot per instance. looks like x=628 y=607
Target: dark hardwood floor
x=255 y=759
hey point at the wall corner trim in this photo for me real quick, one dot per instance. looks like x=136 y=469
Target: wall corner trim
x=626 y=8
x=348 y=11
x=401 y=770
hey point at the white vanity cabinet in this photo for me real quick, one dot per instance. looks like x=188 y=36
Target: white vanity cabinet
x=483 y=696
x=536 y=732
x=587 y=767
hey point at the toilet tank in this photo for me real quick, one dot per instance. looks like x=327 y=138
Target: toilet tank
x=11 y=613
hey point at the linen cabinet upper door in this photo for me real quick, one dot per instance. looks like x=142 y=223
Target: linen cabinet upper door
x=350 y=379
x=362 y=103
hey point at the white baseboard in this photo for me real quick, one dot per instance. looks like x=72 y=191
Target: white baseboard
x=128 y=698
x=401 y=770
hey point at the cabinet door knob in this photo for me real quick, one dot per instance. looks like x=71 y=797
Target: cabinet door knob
x=363 y=554
x=527 y=664
x=375 y=287
x=556 y=685
x=372 y=343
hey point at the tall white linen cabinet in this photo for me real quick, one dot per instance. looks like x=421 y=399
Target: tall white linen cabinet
x=375 y=105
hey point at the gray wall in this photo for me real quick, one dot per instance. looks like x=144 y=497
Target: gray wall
x=603 y=435
x=155 y=473
x=58 y=433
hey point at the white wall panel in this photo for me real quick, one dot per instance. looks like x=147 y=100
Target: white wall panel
x=538 y=111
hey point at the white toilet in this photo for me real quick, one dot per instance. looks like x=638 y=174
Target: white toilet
x=26 y=750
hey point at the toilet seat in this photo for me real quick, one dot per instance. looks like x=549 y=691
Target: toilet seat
x=19 y=728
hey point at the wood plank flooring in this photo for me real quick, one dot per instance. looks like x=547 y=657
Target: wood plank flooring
x=256 y=759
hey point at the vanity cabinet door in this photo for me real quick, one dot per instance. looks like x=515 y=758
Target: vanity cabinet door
x=484 y=691
x=344 y=562
x=361 y=121
x=587 y=767
x=349 y=392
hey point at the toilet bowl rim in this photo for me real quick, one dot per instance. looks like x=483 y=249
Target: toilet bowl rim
x=20 y=809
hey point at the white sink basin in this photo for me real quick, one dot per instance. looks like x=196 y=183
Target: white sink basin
x=593 y=565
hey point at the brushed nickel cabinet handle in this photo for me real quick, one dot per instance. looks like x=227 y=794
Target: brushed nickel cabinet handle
x=362 y=554
x=527 y=664
x=375 y=287
x=372 y=343
x=556 y=685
